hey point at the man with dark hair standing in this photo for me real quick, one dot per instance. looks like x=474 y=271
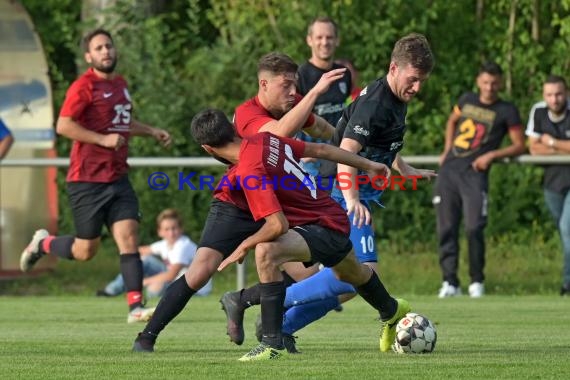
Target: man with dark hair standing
x=97 y=116
x=548 y=132
x=282 y=223
x=474 y=132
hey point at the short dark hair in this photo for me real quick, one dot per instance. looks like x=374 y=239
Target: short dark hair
x=414 y=49
x=323 y=19
x=86 y=40
x=491 y=68
x=553 y=79
x=277 y=63
x=212 y=127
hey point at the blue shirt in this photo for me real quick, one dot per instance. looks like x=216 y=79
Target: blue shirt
x=4 y=131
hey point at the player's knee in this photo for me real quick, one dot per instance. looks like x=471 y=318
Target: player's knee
x=266 y=254
x=85 y=252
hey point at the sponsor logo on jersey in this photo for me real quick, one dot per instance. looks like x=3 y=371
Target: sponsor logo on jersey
x=396 y=145
x=361 y=131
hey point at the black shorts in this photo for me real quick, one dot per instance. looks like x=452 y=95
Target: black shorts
x=95 y=204
x=328 y=247
x=227 y=227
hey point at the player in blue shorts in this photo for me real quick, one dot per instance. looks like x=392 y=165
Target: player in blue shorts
x=373 y=126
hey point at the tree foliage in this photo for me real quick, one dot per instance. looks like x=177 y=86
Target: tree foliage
x=183 y=55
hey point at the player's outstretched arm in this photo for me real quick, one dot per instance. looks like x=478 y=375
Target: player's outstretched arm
x=409 y=171
x=275 y=225
x=341 y=156
x=292 y=121
x=348 y=162
x=321 y=129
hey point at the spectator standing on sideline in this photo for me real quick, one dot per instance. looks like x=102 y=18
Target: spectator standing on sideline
x=6 y=139
x=97 y=116
x=473 y=135
x=163 y=261
x=323 y=39
x=548 y=132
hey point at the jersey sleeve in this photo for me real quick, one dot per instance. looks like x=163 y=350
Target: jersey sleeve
x=76 y=100
x=301 y=85
x=513 y=118
x=249 y=118
x=359 y=126
x=463 y=99
x=532 y=128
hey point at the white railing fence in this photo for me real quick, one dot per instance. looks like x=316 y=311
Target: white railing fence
x=197 y=162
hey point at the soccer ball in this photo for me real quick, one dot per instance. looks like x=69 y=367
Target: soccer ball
x=415 y=334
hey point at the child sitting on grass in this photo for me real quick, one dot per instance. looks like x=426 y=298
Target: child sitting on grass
x=164 y=260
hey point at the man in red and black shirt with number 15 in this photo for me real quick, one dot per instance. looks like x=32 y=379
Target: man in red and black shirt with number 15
x=97 y=116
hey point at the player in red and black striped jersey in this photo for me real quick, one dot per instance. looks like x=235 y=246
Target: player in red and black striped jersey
x=279 y=109
x=265 y=203
x=97 y=116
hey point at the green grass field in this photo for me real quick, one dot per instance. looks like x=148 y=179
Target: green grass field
x=80 y=337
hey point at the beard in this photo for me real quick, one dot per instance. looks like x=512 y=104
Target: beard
x=107 y=69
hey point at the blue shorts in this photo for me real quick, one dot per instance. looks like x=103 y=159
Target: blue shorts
x=363 y=238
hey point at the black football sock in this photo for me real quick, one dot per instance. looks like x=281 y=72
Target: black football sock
x=272 y=299
x=60 y=246
x=288 y=280
x=250 y=296
x=378 y=297
x=171 y=304
x=132 y=271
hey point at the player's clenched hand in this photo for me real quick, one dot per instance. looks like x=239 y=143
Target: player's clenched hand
x=360 y=213
x=327 y=79
x=113 y=141
x=237 y=256
x=163 y=137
